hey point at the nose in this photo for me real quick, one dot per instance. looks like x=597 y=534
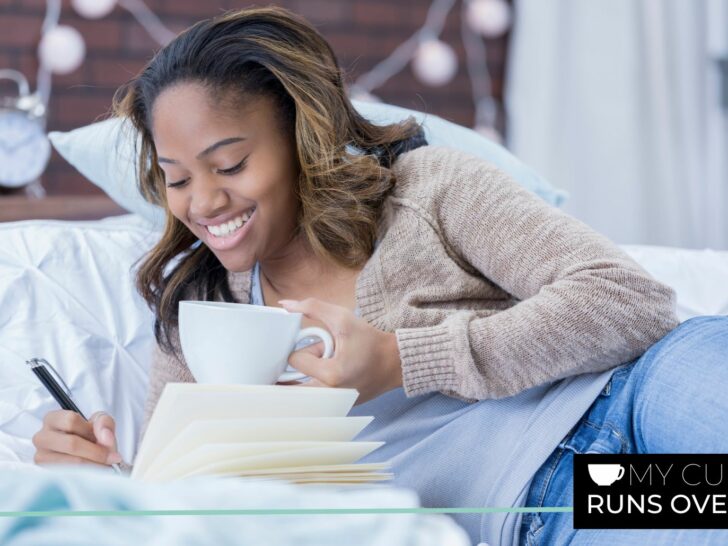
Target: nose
x=207 y=200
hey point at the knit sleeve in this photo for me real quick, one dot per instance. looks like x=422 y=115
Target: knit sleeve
x=582 y=306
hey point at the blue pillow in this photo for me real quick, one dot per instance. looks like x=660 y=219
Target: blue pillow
x=440 y=132
x=103 y=152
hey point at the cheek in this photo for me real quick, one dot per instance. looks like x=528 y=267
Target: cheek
x=286 y=213
x=279 y=202
x=176 y=206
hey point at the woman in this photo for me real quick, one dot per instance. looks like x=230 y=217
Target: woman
x=443 y=282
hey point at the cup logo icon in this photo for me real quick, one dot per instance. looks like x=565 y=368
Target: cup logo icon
x=605 y=474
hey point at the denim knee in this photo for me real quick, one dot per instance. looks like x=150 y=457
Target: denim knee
x=676 y=382
x=704 y=334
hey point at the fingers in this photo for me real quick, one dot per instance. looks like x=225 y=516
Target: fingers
x=310 y=383
x=69 y=422
x=313 y=383
x=333 y=316
x=323 y=370
x=104 y=429
x=316 y=349
x=43 y=457
x=53 y=445
x=67 y=434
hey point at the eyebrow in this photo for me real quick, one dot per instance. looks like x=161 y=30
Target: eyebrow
x=206 y=151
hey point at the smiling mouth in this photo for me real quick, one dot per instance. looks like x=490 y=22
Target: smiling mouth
x=230 y=227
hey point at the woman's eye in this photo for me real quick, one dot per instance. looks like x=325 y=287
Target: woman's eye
x=177 y=184
x=232 y=170
x=235 y=169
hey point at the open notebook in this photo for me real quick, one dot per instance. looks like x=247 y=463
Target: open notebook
x=300 y=434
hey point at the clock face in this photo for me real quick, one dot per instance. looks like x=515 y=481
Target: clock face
x=24 y=149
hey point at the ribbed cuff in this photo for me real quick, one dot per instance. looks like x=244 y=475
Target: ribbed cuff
x=426 y=357
x=369 y=297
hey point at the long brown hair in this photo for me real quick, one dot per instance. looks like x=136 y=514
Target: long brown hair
x=344 y=161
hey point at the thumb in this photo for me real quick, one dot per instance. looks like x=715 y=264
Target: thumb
x=104 y=429
x=312 y=383
x=309 y=364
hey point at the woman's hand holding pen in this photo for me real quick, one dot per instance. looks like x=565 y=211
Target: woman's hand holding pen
x=67 y=438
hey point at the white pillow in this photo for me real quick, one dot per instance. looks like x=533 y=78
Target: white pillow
x=698 y=276
x=103 y=152
x=67 y=296
x=440 y=132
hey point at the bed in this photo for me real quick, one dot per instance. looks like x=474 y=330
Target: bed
x=67 y=295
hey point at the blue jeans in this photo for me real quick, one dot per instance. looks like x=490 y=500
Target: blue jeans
x=673 y=399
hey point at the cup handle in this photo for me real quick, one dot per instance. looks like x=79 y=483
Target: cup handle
x=313 y=331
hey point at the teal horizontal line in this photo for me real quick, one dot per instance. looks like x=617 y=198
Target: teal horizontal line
x=279 y=512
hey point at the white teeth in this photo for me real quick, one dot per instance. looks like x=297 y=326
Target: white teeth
x=229 y=227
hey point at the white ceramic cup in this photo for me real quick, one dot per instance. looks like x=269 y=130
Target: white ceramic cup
x=240 y=343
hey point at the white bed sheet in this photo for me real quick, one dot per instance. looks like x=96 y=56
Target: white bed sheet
x=700 y=277
x=67 y=294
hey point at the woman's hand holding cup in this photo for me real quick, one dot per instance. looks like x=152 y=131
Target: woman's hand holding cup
x=365 y=358
x=237 y=343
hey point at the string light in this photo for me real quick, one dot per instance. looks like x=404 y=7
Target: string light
x=61 y=49
x=93 y=9
x=486 y=109
x=149 y=20
x=435 y=63
x=491 y=18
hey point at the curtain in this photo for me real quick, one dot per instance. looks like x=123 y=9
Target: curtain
x=620 y=102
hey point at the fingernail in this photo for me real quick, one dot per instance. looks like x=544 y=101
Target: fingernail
x=287 y=302
x=113 y=458
x=106 y=436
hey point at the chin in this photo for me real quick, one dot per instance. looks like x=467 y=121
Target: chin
x=236 y=265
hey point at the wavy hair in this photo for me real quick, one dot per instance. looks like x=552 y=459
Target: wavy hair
x=344 y=160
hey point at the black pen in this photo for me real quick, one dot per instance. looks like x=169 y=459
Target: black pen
x=40 y=367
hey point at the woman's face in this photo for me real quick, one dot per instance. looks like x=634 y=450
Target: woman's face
x=230 y=175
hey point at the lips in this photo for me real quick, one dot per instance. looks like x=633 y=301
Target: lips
x=225 y=228
x=230 y=239
x=222 y=219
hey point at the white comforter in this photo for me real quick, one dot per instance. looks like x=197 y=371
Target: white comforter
x=67 y=295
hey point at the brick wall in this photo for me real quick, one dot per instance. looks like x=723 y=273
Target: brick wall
x=362 y=32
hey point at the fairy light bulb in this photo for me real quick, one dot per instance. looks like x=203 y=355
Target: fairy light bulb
x=93 y=9
x=61 y=49
x=491 y=18
x=435 y=63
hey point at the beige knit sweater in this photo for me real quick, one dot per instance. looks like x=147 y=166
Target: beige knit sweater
x=489 y=289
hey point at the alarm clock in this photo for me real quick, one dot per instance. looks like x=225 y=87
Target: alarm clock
x=24 y=146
